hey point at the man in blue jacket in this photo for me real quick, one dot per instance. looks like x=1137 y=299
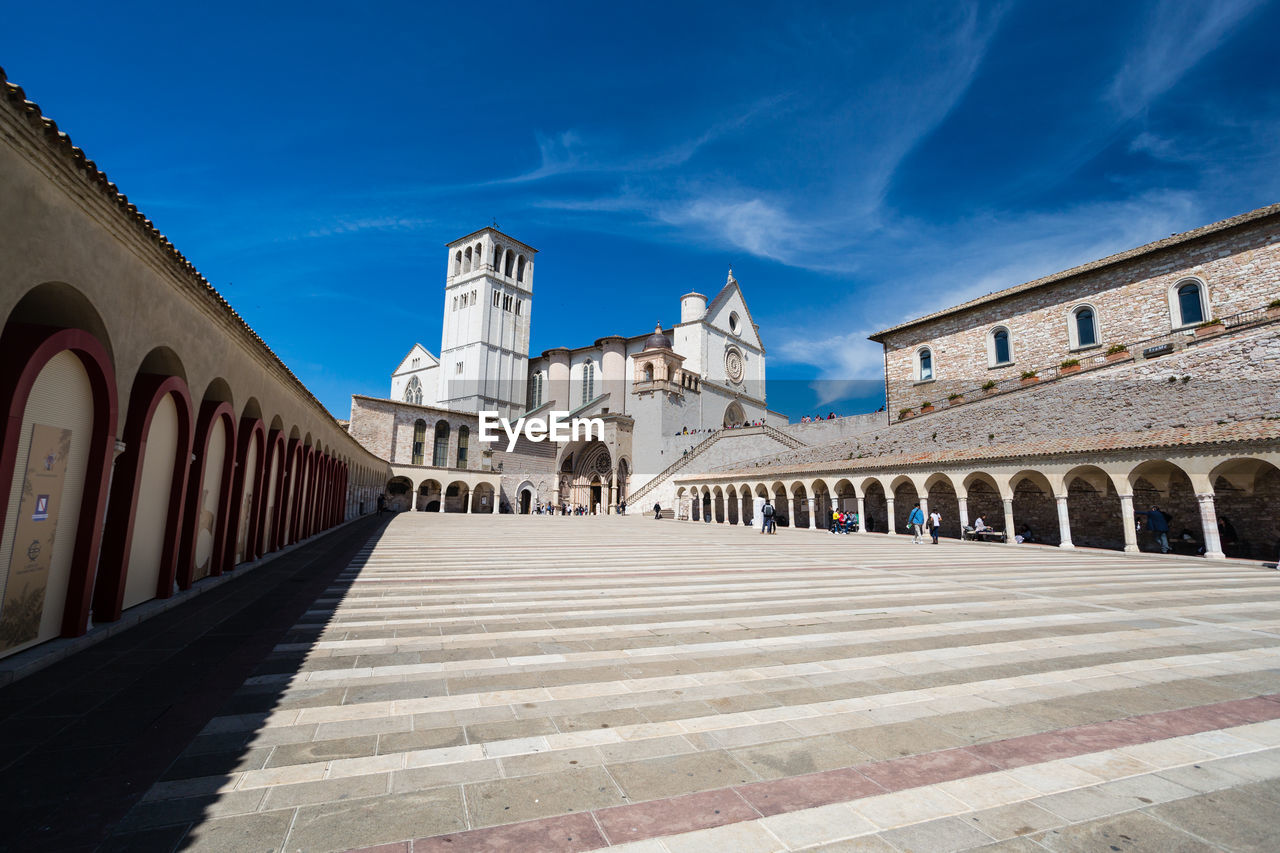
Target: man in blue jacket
x=1158 y=523
x=916 y=520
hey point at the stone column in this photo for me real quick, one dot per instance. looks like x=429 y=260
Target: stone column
x=497 y=499
x=466 y=499
x=443 y=489
x=1129 y=523
x=964 y=510
x=924 y=510
x=613 y=499
x=813 y=513
x=1008 y=519
x=1064 y=523
x=1209 y=522
x=862 y=515
x=889 y=518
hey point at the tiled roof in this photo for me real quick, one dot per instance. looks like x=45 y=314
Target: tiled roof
x=1245 y=432
x=1091 y=266
x=61 y=143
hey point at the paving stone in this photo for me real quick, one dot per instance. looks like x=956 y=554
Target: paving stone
x=376 y=820
x=1128 y=833
x=528 y=798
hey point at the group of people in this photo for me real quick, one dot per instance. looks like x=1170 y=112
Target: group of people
x=844 y=522
x=1160 y=523
x=917 y=521
x=810 y=419
x=708 y=430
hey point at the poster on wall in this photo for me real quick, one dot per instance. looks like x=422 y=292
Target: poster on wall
x=22 y=607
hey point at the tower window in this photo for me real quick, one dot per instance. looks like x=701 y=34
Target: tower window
x=1084 y=327
x=457 y=368
x=588 y=381
x=518 y=301
x=497 y=297
x=520 y=268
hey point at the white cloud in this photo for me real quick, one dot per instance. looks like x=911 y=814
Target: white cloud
x=1179 y=34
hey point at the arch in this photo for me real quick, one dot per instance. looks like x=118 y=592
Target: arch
x=875 y=506
x=246 y=492
x=1083 y=329
x=497 y=258
x=905 y=496
x=484 y=498
x=269 y=513
x=508 y=262
x=526 y=497
x=457 y=263
x=423 y=500
x=59 y=305
x=397 y=493
x=648 y=371
x=1035 y=510
x=520 y=268
x=1246 y=491
x=924 y=364
x=25 y=352
x=419 y=441
x=466 y=260
x=1188 y=303
x=455 y=497
x=1163 y=484
x=733 y=415
x=1093 y=508
x=943 y=499
x=208 y=490
x=440 y=445
x=983 y=498
x=999 y=346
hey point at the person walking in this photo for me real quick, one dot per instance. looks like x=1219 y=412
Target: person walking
x=1158 y=523
x=766 y=517
x=657 y=511
x=916 y=520
x=935 y=525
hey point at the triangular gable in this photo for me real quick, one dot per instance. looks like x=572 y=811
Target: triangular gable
x=418 y=350
x=728 y=300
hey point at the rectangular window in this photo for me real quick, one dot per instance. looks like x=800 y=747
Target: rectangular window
x=496 y=297
x=518 y=301
x=458 y=368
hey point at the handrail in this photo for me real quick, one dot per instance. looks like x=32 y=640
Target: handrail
x=666 y=473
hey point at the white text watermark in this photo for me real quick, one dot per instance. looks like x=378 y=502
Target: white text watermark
x=556 y=427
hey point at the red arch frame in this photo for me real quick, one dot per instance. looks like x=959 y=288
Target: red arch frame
x=24 y=351
x=250 y=428
x=275 y=448
x=117 y=538
x=211 y=411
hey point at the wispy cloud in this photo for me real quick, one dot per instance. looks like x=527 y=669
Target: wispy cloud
x=1179 y=34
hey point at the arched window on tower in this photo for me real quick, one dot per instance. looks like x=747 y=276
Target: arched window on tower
x=1084 y=327
x=588 y=381
x=1190 y=303
x=466 y=260
x=464 y=437
x=533 y=398
x=648 y=373
x=440 y=452
x=419 y=440
x=508 y=263
x=479 y=256
x=457 y=263
x=497 y=258
x=520 y=268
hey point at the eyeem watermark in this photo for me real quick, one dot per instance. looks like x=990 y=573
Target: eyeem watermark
x=558 y=427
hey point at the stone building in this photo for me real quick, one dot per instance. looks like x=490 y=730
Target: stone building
x=1067 y=407
x=701 y=374
x=153 y=441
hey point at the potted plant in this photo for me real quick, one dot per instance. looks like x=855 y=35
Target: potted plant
x=1071 y=365
x=955 y=399
x=1209 y=328
x=989 y=386
x=926 y=408
x=903 y=414
x=1029 y=377
x=1273 y=308
x=1117 y=352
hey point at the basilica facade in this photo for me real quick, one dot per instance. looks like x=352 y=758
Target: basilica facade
x=652 y=390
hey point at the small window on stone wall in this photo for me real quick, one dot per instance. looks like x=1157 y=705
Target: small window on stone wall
x=924 y=364
x=1083 y=327
x=999 y=347
x=1189 y=304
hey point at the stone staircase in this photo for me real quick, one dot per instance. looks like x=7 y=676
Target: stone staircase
x=674 y=468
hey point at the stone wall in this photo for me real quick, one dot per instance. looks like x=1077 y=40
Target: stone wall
x=1235 y=377
x=1240 y=268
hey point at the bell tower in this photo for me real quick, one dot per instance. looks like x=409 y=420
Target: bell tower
x=488 y=302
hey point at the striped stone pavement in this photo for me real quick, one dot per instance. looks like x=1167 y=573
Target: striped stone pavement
x=537 y=683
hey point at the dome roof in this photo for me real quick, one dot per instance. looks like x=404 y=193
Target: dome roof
x=657 y=340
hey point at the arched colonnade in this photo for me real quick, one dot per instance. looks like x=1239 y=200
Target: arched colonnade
x=1100 y=502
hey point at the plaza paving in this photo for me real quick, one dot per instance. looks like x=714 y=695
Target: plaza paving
x=532 y=683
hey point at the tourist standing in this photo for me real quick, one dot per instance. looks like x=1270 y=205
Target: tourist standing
x=916 y=522
x=766 y=518
x=935 y=525
x=1158 y=523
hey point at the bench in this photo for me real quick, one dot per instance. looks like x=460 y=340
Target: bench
x=989 y=534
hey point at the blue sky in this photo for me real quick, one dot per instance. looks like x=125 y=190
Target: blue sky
x=856 y=163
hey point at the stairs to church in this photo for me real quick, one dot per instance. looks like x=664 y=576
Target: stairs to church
x=674 y=468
